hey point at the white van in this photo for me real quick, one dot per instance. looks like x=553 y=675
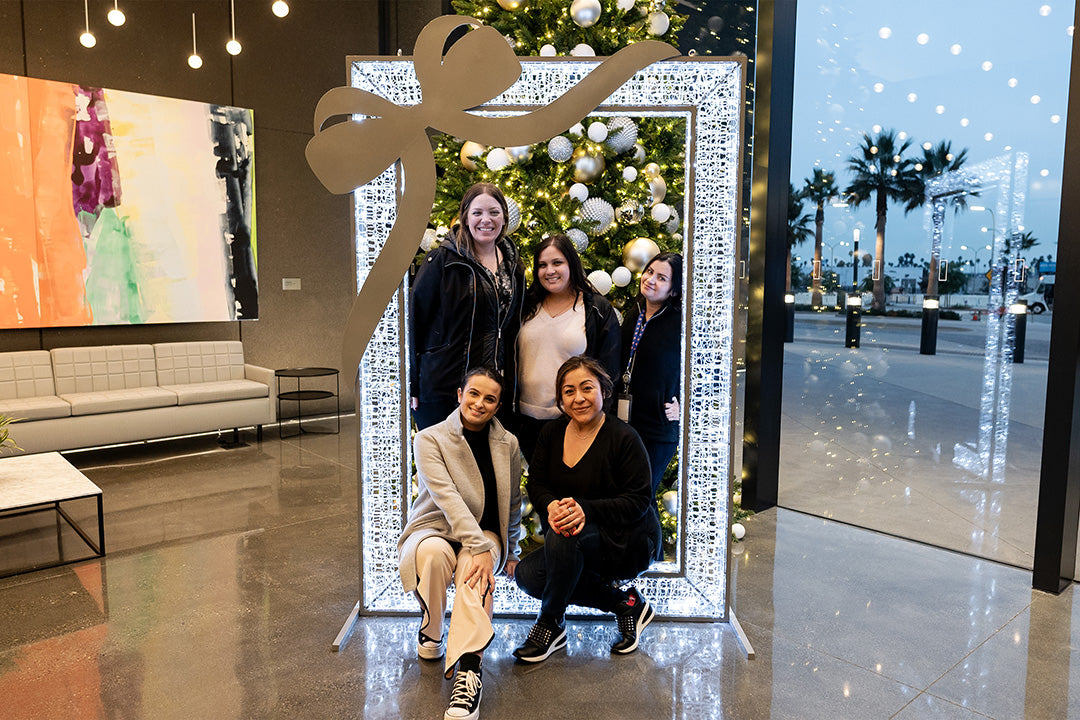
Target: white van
x=1041 y=298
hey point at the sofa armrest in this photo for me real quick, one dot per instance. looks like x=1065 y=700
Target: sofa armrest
x=267 y=378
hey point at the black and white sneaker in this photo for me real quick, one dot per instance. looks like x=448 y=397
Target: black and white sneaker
x=465 y=697
x=429 y=649
x=543 y=640
x=632 y=615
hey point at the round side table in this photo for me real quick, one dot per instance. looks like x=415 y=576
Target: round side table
x=299 y=396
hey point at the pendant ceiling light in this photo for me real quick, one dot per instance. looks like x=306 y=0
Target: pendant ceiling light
x=280 y=8
x=87 y=38
x=193 y=59
x=233 y=47
x=116 y=15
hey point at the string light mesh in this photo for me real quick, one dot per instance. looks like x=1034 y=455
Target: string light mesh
x=710 y=92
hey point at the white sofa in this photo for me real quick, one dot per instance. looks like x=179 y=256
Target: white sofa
x=77 y=397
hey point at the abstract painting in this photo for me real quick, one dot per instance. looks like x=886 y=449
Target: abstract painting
x=122 y=208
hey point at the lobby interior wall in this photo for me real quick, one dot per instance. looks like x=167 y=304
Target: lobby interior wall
x=286 y=65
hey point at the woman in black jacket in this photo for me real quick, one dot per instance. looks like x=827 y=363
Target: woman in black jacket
x=651 y=358
x=564 y=316
x=465 y=306
x=589 y=481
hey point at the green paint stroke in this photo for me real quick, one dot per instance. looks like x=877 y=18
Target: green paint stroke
x=112 y=286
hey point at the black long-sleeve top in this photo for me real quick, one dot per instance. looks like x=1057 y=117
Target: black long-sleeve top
x=655 y=377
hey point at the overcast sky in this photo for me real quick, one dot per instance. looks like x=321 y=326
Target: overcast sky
x=989 y=75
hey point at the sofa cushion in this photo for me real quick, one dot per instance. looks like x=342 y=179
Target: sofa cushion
x=92 y=403
x=35 y=408
x=199 y=362
x=26 y=374
x=103 y=367
x=207 y=392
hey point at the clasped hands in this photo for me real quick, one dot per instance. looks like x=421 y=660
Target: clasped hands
x=565 y=516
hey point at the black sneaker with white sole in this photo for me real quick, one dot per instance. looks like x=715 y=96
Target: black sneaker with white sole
x=544 y=639
x=632 y=615
x=429 y=649
x=465 y=697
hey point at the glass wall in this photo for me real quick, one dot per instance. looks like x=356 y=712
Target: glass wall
x=928 y=141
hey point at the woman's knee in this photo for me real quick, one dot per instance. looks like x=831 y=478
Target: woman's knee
x=531 y=573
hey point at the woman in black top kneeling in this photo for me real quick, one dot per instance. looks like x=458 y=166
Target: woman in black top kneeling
x=589 y=478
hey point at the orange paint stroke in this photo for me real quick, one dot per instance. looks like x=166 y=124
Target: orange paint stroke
x=18 y=237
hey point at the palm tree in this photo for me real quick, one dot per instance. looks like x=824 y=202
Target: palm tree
x=819 y=189
x=880 y=169
x=798 y=230
x=936 y=160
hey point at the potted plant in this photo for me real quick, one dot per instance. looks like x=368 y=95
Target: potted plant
x=6 y=443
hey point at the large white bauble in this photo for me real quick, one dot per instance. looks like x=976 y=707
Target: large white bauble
x=579 y=238
x=638 y=252
x=577 y=130
x=660 y=212
x=621 y=276
x=738 y=531
x=622 y=134
x=671 y=502
x=629 y=173
x=497 y=159
x=597 y=132
x=469 y=151
x=429 y=240
x=560 y=149
x=672 y=224
x=597 y=216
x=520 y=154
x=601 y=281
x=625 y=5
x=583 y=50
x=659 y=23
x=579 y=192
x=547 y=50
x=585 y=13
x=639 y=152
x=513 y=216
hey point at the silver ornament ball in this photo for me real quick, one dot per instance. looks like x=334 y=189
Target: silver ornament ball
x=578 y=238
x=585 y=13
x=513 y=216
x=630 y=212
x=597 y=216
x=587 y=167
x=622 y=134
x=560 y=149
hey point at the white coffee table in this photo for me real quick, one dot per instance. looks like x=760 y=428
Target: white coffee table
x=43 y=483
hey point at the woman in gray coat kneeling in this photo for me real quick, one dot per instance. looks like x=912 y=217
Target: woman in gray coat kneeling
x=463 y=527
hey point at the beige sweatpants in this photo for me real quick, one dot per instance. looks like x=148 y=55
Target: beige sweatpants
x=470 y=618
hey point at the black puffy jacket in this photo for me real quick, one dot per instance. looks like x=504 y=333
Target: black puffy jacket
x=455 y=322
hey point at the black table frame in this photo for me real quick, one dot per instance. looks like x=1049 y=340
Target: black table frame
x=300 y=396
x=98 y=548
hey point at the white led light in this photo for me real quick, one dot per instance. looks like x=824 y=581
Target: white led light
x=884 y=33
x=912 y=97
x=940 y=109
x=280 y=8
x=88 y=40
x=956 y=49
x=116 y=17
x=194 y=61
x=1044 y=10
x=697 y=586
x=964 y=122
x=1035 y=99
x=927 y=145
x=233 y=47
x=922 y=38
x=1055 y=119
x=1044 y=172
x=987 y=65
x=879 y=87
x=1013 y=82
x=988 y=136
x=876 y=128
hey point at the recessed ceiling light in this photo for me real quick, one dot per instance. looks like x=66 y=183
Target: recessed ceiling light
x=987 y=65
x=884 y=33
x=956 y=49
x=922 y=38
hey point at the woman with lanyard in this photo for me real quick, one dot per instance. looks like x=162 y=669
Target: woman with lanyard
x=649 y=387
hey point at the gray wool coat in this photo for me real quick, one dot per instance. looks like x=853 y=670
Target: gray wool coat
x=451 y=498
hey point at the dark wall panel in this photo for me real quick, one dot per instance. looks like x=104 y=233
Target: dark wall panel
x=11 y=50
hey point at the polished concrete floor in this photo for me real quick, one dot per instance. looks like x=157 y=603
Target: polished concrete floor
x=229 y=573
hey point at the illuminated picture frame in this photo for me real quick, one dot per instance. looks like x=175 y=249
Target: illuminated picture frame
x=711 y=92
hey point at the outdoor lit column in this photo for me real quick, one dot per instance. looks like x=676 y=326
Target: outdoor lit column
x=928 y=341
x=854 y=310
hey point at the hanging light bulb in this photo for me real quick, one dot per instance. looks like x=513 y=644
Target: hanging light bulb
x=116 y=15
x=87 y=38
x=280 y=8
x=233 y=47
x=193 y=59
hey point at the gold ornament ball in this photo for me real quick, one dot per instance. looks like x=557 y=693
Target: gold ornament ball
x=638 y=252
x=587 y=166
x=470 y=150
x=513 y=5
x=657 y=190
x=651 y=170
x=520 y=154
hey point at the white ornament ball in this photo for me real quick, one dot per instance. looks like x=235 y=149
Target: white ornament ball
x=547 y=50
x=660 y=212
x=673 y=222
x=585 y=13
x=625 y=5
x=513 y=216
x=737 y=498
x=638 y=252
x=497 y=159
x=429 y=240
x=579 y=192
x=622 y=134
x=577 y=130
x=560 y=149
x=442 y=231
x=629 y=173
x=671 y=502
x=601 y=281
x=520 y=154
x=597 y=215
x=583 y=50
x=677 y=237
x=579 y=238
x=469 y=152
x=659 y=23
x=621 y=276
x=598 y=132
x=738 y=531
x=639 y=152
x=657 y=190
